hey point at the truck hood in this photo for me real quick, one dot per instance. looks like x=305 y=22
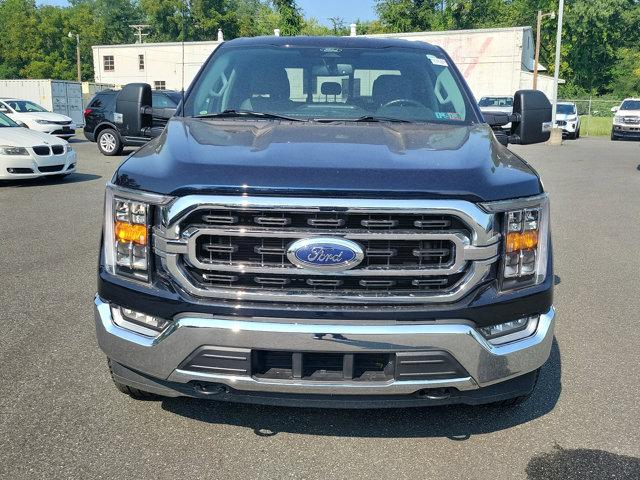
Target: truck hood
x=341 y=159
x=628 y=113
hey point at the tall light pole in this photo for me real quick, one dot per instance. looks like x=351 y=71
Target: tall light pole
x=541 y=15
x=71 y=35
x=556 y=70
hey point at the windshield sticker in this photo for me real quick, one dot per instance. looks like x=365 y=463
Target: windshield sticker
x=441 y=62
x=448 y=116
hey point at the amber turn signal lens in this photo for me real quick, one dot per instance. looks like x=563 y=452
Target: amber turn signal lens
x=129 y=232
x=522 y=240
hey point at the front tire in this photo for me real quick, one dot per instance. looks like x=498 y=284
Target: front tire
x=614 y=137
x=134 y=393
x=109 y=142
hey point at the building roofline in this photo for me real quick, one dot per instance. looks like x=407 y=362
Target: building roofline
x=444 y=32
x=153 y=44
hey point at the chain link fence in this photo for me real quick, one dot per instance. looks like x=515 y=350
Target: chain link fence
x=596 y=117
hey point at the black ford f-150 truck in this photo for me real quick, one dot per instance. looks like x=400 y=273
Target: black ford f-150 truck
x=328 y=222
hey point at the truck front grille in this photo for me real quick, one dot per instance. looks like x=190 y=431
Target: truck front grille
x=414 y=252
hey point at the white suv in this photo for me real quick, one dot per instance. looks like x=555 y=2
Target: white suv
x=626 y=122
x=567 y=118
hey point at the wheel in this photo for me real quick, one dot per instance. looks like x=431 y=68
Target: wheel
x=578 y=133
x=614 y=137
x=515 y=401
x=109 y=142
x=134 y=393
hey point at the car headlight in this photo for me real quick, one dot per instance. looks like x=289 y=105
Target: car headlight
x=8 y=150
x=525 y=241
x=43 y=122
x=127 y=230
x=617 y=119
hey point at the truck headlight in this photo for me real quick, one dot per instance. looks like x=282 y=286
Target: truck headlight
x=127 y=231
x=617 y=119
x=525 y=241
x=8 y=150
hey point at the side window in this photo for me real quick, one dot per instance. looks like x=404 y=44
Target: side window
x=96 y=103
x=450 y=101
x=4 y=108
x=159 y=100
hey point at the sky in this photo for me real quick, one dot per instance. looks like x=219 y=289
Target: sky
x=349 y=10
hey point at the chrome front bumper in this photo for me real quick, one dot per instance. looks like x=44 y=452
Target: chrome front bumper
x=161 y=356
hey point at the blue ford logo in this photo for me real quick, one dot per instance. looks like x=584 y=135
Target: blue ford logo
x=325 y=254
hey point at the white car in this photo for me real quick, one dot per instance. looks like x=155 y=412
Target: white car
x=36 y=117
x=25 y=153
x=568 y=119
x=626 y=122
x=497 y=104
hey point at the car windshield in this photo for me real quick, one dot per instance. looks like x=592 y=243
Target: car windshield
x=6 y=121
x=25 y=106
x=326 y=84
x=565 y=109
x=630 y=105
x=496 y=102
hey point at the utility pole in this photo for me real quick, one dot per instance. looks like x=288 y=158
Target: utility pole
x=541 y=15
x=71 y=35
x=556 y=70
x=139 y=31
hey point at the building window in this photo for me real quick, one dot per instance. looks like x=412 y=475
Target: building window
x=108 y=63
x=140 y=62
x=160 y=85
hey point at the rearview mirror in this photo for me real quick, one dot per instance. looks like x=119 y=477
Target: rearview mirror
x=615 y=109
x=133 y=110
x=532 y=117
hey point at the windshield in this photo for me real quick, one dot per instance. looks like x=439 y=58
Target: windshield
x=323 y=84
x=6 y=121
x=24 y=106
x=496 y=102
x=630 y=105
x=565 y=109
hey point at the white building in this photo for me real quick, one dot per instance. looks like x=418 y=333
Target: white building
x=158 y=64
x=495 y=61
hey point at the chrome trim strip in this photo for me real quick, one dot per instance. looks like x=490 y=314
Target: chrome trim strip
x=480 y=222
x=246 y=383
x=477 y=272
x=139 y=195
x=514 y=204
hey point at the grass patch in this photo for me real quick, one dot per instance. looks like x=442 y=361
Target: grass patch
x=595 y=126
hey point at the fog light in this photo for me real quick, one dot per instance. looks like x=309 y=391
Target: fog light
x=510 y=331
x=137 y=321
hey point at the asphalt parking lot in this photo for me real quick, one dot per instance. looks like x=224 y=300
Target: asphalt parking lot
x=61 y=417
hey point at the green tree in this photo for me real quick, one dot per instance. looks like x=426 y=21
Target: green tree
x=290 y=16
x=626 y=73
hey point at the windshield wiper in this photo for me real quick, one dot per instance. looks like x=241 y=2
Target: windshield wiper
x=364 y=119
x=231 y=113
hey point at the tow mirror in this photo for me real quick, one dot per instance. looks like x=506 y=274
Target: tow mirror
x=532 y=117
x=133 y=110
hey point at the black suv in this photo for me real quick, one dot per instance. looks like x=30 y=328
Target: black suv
x=102 y=127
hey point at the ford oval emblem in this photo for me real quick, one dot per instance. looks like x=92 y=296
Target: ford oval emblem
x=325 y=254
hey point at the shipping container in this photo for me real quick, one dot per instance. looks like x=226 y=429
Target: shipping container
x=58 y=96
